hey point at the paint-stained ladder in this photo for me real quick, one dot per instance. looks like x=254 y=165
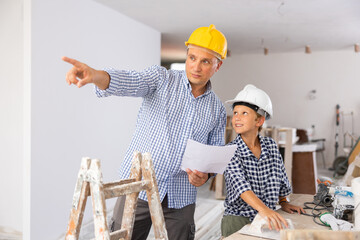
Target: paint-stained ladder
x=90 y=183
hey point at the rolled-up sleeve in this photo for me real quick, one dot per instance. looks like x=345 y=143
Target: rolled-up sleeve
x=285 y=186
x=133 y=83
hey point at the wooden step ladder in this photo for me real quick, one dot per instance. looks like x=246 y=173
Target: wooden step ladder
x=90 y=183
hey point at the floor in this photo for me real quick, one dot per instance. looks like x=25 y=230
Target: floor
x=9 y=234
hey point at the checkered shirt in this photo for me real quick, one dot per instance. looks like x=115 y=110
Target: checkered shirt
x=168 y=117
x=265 y=176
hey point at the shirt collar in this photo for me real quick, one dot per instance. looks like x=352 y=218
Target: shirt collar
x=188 y=85
x=264 y=148
x=244 y=149
x=246 y=152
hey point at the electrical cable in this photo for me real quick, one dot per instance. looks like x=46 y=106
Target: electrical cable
x=316 y=211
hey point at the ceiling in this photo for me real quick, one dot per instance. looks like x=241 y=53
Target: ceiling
x=250 y=25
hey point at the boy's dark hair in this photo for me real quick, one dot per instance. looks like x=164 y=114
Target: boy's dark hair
x=252 y=106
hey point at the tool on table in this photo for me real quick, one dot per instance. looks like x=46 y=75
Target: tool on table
x=322 y=196
x=322 y=202
x=337 y=201
x=343 y=203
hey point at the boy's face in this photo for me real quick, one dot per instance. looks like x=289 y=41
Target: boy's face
x=245 y=120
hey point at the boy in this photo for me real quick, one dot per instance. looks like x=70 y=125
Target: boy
x=255 y=178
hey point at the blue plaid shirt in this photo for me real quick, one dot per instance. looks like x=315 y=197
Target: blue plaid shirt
x=265 y=176
x=169 y=115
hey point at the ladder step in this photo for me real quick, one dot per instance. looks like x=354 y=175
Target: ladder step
x=122 y=233
x=121 y=182
x=117 y=191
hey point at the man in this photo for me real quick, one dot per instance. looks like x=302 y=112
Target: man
x=177 y=105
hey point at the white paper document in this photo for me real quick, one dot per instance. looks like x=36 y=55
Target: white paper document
x=207 y=158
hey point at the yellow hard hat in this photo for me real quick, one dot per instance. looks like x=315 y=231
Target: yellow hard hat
x=210 y=38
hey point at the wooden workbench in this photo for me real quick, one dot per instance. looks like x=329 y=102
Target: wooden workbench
x=299 y=221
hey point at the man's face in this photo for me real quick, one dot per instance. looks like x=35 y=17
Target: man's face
x=200 y=66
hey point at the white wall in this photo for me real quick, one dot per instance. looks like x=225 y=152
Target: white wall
x=288 y=78
x=11 y=128
x=69 y=123
x=60 y=124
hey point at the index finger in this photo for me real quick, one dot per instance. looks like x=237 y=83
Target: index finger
x=71 y=61
x=301 y=211
x=283 y=221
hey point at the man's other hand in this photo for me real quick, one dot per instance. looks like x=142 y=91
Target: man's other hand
x=197 y=178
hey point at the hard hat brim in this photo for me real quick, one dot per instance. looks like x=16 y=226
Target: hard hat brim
x=259 y=111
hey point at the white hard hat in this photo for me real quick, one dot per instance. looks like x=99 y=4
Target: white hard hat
x=254 y=96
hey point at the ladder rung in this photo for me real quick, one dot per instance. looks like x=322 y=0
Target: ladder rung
x=123 y=181
x=116 y=191
x=122 y=233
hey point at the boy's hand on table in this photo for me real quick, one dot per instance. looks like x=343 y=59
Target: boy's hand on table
x=197 y=178
x=274 y=219
x=289 y=208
